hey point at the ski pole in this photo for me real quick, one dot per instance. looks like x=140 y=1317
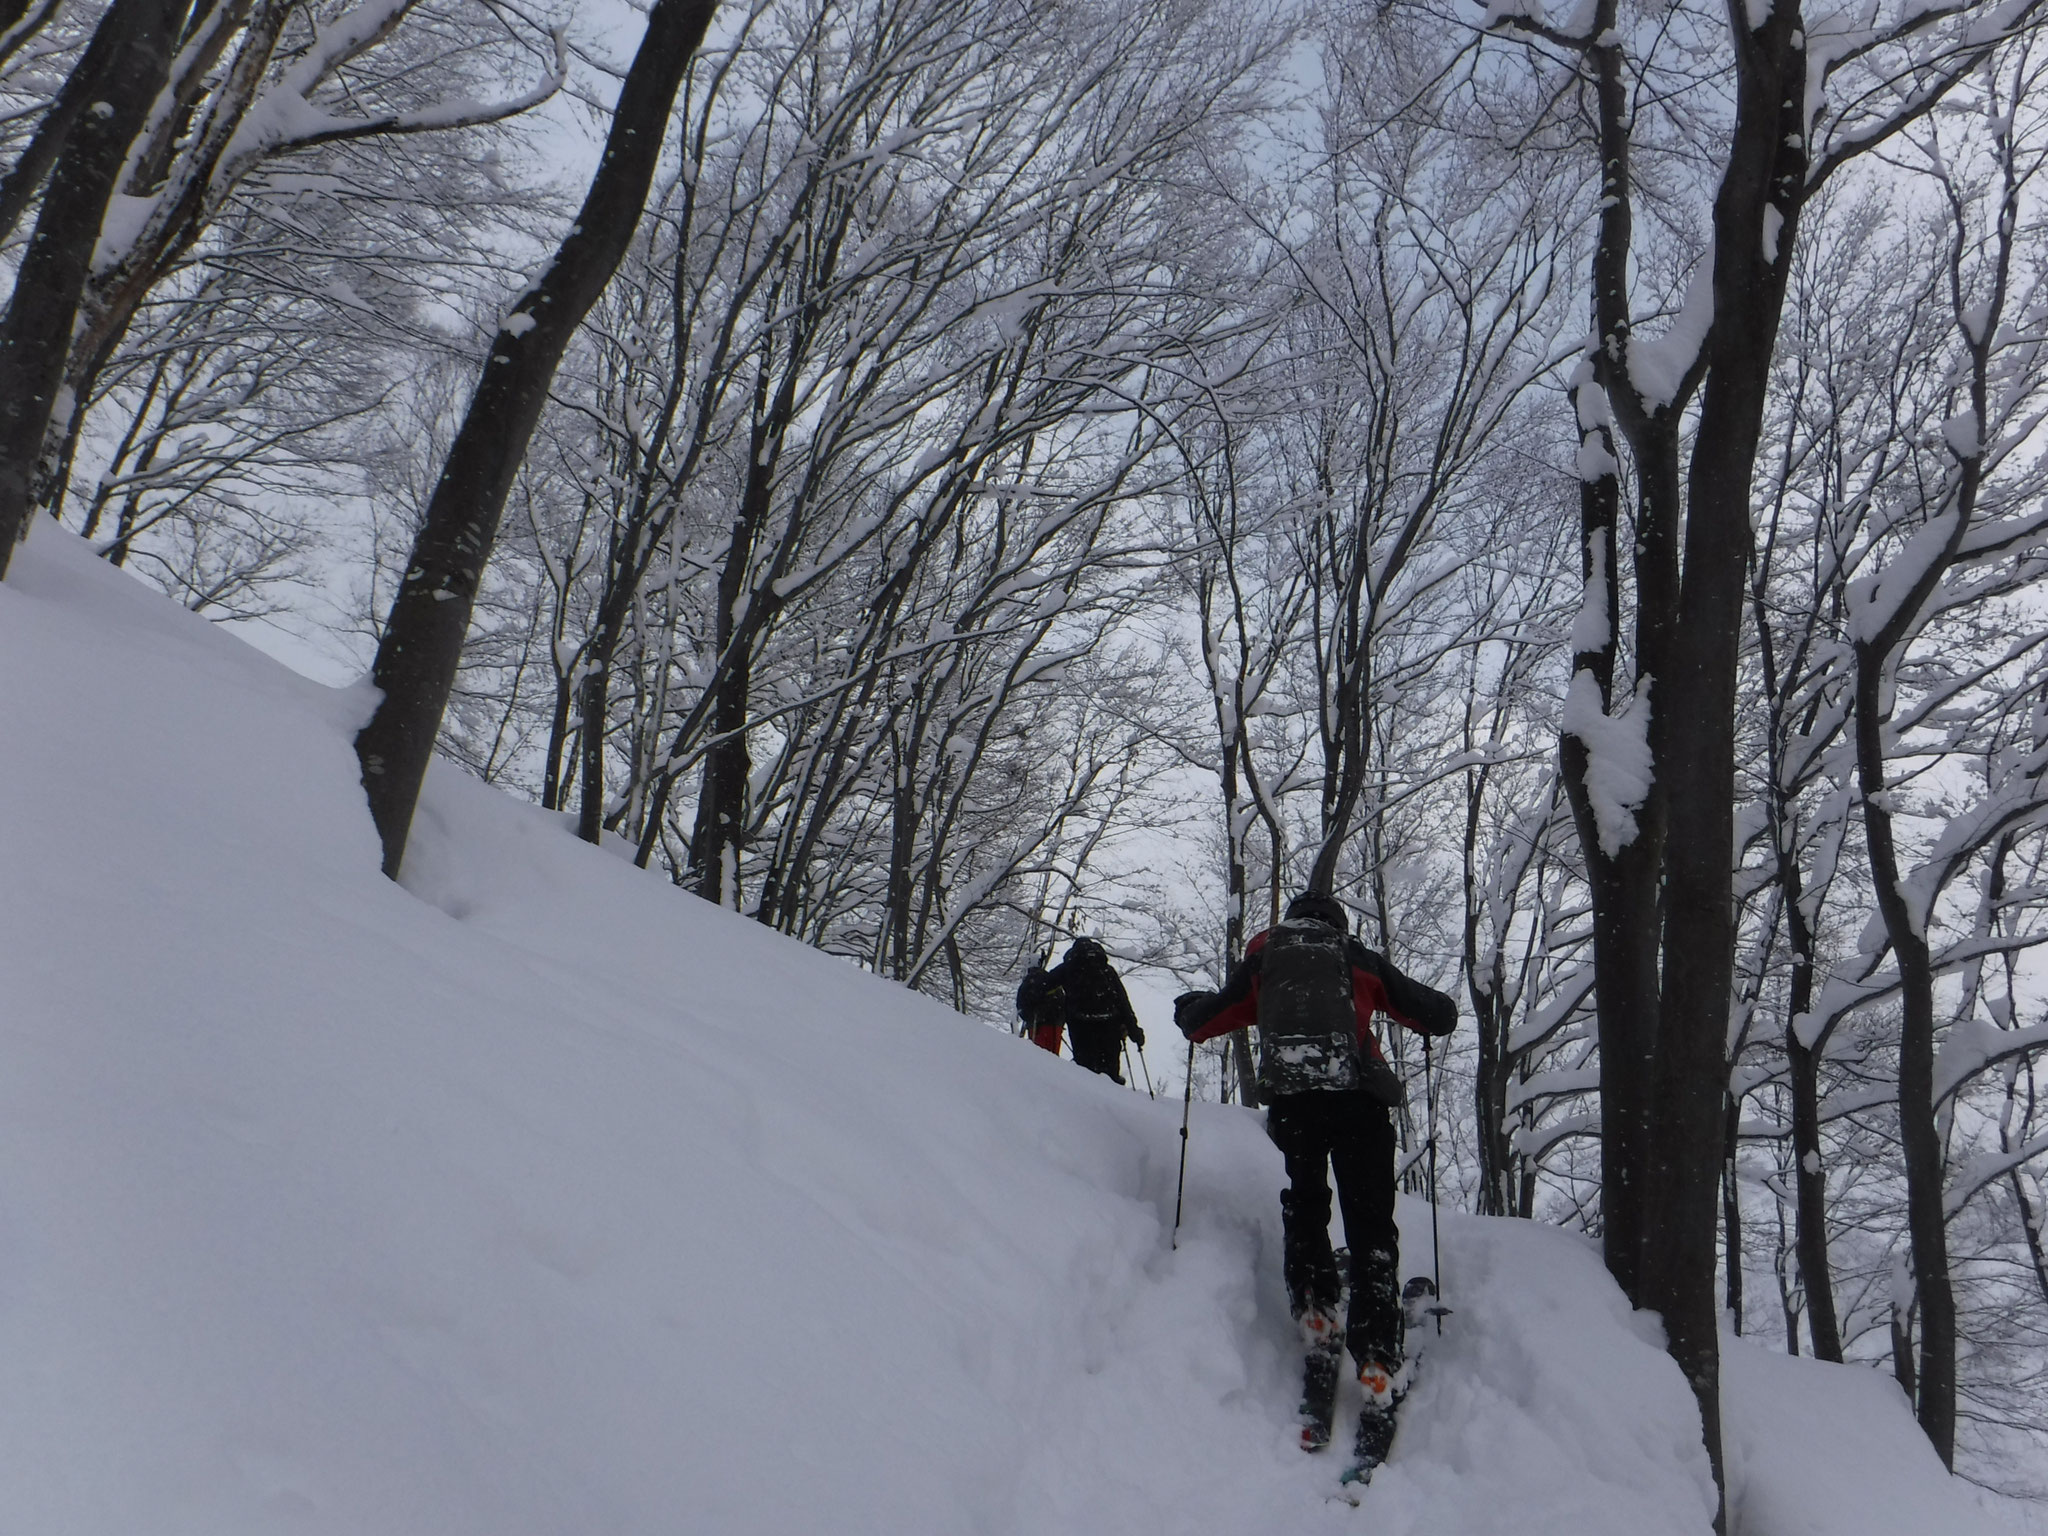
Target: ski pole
x=1187 y=1105
x=1145 y=1067
x=1436 y=1253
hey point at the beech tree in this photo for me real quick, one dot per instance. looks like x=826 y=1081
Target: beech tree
x=1800 y=95
x=1889 y=347
x=1841 y=410
x=1969 y=537
x=85 y=149
x=253 y=82
x=422 y=640
x=910 y=342
x=958 y=449
x=1422 y=313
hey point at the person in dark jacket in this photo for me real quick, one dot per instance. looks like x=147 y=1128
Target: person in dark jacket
x=1041 y=1007
x=1097 y=1010
x=1313 y=989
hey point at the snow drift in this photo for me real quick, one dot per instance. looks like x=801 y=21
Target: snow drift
x=537 y=1197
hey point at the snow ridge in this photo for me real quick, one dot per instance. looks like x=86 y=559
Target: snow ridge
x=537 y=1196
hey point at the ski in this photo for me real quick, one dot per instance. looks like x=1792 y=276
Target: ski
x=1322 y=1335
x=1322 y=1338
x=1385 y=1390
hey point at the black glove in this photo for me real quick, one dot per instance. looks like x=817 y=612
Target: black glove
x=1191 y=1011
x=1137 y=1035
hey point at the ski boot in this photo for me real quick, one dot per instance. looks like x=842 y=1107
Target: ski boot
x=1381 y=1385
x=1384 y=1387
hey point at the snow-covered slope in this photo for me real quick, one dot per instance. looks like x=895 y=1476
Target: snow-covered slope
x=536 y=1197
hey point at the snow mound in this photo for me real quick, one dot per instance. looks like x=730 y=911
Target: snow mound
x=1815 y=1449
x=538 y=1198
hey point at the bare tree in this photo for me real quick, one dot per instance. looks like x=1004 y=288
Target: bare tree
x=1652 y=784
x=123 y=69
x=1951 y=549
x=422 y=641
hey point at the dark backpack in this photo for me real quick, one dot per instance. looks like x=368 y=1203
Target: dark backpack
x=1039 y=1001
x=1093 y=993
x=1308 y=1019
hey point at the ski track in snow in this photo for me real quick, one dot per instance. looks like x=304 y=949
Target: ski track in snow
x=538 y=1197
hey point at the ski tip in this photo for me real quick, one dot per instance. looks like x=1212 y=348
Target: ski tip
x=1352 y=1485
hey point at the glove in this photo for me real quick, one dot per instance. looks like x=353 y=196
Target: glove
x=1190 y=1011
x=1137 y=1036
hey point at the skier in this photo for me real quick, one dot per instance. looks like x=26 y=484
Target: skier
x=1098 y=1011
x=1041 y=1006
x=1312 y=989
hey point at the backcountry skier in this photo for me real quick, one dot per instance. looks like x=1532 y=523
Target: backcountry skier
x=1041 y=1006
x=1312 y=989
x=1098 y=1011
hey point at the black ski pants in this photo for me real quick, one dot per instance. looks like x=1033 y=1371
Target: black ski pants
x=1096 y=1046
x=1344 y=1130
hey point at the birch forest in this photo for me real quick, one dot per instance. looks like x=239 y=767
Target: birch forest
x=943 y=478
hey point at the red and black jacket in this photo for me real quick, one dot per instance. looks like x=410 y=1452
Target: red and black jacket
x=1376 y=987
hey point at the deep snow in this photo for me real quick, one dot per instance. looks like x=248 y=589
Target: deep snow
x=538 y=1197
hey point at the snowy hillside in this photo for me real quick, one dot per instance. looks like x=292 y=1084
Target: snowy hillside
x=538 y=1197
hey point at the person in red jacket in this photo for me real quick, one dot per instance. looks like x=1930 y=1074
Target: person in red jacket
x=1313 y=989
x=1042 y=1007
x=1084 y=994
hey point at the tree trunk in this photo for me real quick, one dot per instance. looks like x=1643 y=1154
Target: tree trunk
x=593 y=700
x=422 y=642
x=1731 y=1208
x=1346 y=786
x=1788 y=1293
x=593 y=707
x=630 y=550
x=121 y=74
x=18 y=187
x=1662 y=904
x=1693 y=730
x=1490 y=1069
x=554 y=785
x=2030 y=1225
x=1247 y=1068
x=1237 y=884
x=17 y=25
x=893 y=953
x=1902 y=1347
x=1919 y=1134
x=1811 y=1184
x=1624 y=882
x=1490 y=1102
x=792 y=878
x=1810 y=1180
x=720 y=831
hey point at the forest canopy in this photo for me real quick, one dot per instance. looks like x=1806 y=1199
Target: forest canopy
x=941 y=478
